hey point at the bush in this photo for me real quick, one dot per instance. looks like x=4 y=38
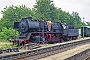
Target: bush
x=7 y=34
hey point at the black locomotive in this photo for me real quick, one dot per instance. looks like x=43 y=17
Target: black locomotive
x=42 y=31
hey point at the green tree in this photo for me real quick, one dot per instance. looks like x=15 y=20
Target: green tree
x=1 y=25
x=76 y=19
x=45 y=10
x=14 y=13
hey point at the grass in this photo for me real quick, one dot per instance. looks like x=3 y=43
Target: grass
x=5 y=45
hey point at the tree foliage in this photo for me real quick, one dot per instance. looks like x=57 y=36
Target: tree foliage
x=14 y=13
x=45 y=10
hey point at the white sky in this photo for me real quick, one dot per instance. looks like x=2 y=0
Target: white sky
x=80 y=6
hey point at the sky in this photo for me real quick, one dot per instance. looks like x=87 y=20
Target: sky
x=80 y=6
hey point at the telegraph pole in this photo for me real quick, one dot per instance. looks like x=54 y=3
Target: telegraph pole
x=83 y=27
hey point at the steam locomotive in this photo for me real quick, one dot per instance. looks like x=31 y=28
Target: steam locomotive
x=42 y=31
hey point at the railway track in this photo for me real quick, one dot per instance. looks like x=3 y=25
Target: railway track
x=45 y=51
x=77 y=53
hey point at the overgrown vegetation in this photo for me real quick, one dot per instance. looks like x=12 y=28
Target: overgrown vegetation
x=42 y=10
x=4 y=45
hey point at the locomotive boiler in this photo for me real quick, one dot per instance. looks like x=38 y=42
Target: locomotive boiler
x=42 y=31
